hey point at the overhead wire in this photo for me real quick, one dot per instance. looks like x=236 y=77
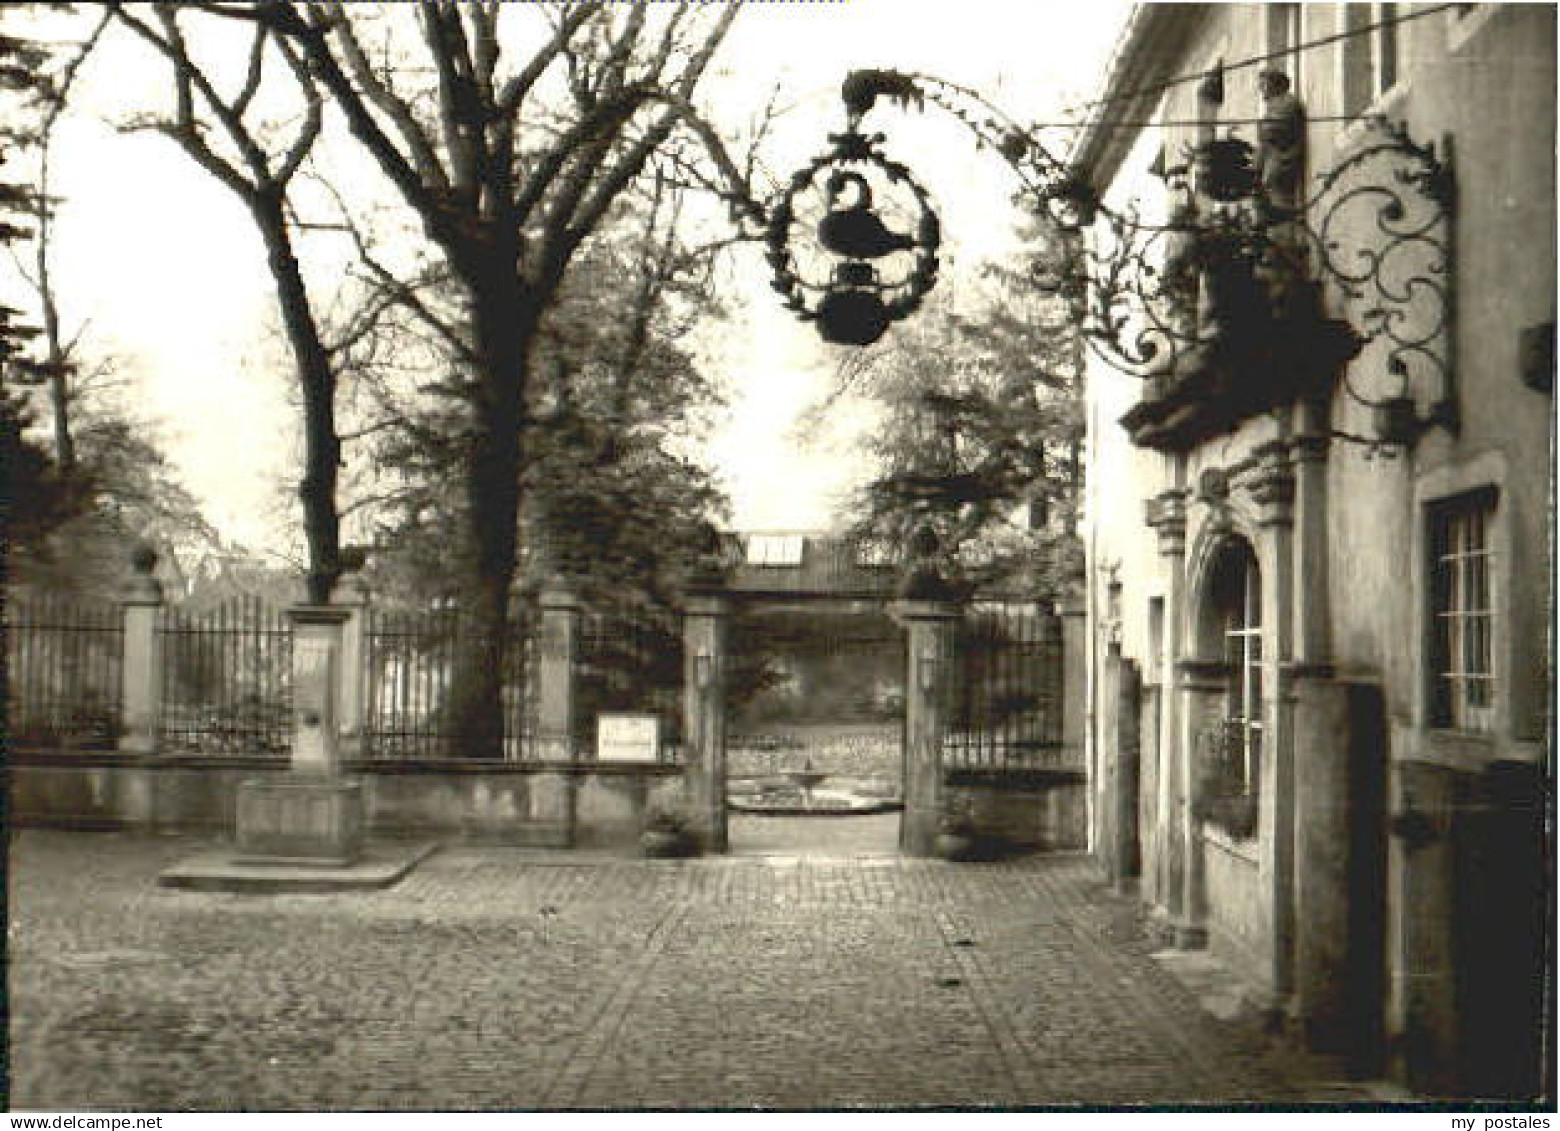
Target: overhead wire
x=1237 y=65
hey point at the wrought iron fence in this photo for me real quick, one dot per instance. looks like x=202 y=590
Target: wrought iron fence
x=1005 y=709
x=630 y=661
x=227 y=679
x=63 y=659
x=411 y=666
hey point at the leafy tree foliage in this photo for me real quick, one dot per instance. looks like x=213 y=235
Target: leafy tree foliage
x=979 y=433
x=610 y=498
x=103 y=481
x=509 y=142
x=38 y=493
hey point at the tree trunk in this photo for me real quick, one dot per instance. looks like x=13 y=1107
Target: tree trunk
x=317 y=383
x=59 y=371
x=503 y=321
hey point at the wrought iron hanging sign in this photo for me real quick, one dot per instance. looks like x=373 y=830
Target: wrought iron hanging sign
x=1254 y=285
x=853 y=241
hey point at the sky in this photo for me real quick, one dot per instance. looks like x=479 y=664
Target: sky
x=160 y=263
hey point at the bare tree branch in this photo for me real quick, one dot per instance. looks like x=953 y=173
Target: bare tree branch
x=515 y=90
x=252 y=76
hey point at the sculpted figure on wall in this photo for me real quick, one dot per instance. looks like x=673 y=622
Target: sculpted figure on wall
x=1280 y=144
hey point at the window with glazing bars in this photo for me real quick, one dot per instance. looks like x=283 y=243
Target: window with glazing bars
x=1243 y=654
x=1462 y=671
x=1285 y=32
x=1370 y=54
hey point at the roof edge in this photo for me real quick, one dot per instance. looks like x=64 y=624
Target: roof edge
x=1153 y=39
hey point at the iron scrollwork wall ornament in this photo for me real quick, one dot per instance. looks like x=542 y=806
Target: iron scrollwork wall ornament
x=1229 y=299
x=836 y=259
x=1244 y=291
x=1382 y=233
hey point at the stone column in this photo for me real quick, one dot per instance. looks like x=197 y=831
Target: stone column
x=1202 y=687
x=141 y=670
x=1105 y=773
x=1074 y=677
x=1321 y=975
x=1308 y=453
x=1272 y=488
x=1165 y=514
x=705 y=618
x=311 y=814
x=1125 y=723
x=557 y=654
x=929 y=626
x=352 y=674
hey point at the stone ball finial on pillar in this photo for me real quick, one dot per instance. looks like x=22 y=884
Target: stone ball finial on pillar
x=558 y=591
x=144 y=586
x=924 y=580
x=352 y=586
x=709 y=572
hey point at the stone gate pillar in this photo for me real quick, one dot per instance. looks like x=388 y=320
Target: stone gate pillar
x=352 y=674
x=1074 y=682
x=141 y=672
x=705 y=622
x=141 y=688
x=929 y=632
x=556 y=655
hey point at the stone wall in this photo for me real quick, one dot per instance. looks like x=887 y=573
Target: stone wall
x=1237 y=908
x=557 y=805
x=861 y=751
x=1050 y=818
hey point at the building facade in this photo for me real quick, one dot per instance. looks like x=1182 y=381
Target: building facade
x=1318 y=539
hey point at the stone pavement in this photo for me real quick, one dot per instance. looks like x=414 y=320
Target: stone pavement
x=504 y=979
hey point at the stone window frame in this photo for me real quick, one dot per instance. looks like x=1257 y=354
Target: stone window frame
x=1283 y=30
x=1460 y=619
x=1483 y=473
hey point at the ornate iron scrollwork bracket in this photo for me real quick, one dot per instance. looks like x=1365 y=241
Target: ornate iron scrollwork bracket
x=1237 y=290
x=1382 y=237
x=1357 y=277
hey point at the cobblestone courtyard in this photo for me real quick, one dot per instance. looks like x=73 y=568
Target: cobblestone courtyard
x=500 y=978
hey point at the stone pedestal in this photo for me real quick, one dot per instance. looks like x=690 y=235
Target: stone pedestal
x=550 y=815
x=1075 y=691
x=300 y=820
x=312 y=814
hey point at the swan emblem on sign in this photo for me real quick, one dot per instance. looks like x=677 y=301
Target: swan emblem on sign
x=854 y=231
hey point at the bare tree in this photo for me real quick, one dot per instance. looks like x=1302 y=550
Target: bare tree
x=509 y=170
x=233 y=138
x=57 y=368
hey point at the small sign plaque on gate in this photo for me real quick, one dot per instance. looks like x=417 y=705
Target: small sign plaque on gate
x=628 y=738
